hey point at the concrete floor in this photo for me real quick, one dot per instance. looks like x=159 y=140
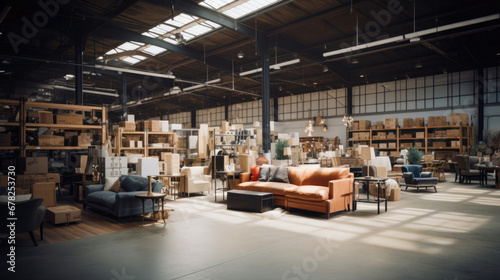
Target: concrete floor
x=452 y=234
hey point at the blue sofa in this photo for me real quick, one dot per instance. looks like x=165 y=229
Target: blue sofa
x=415 y=178
x=121 y=204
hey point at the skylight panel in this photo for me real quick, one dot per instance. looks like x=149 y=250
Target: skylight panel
x=112 y=51
x=248 y=7
x=198 y=30
x=139 y=57
x=152 y=35
x=216 y=4
x=130 y=46
x=161 y=29
x=181 y=20
x=188 y=36
x=154 y=50
x=131 y=60
x=212 y=24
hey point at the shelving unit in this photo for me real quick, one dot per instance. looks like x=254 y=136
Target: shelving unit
x=183 y=143
x=465 y=138
x=24 y=107
x=119 y=146
x=156 y=151
x=145 y=137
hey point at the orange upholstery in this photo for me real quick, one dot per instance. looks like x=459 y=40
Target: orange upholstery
x=270 y=187
x=324 y=190
x=313 y=193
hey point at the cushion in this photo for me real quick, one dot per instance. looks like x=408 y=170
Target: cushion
x=17 y=198
x=116 y=187
x=269 y=187
x=255 y=172
x=109 y=182
x=105 y=198
x=263 y=174
x=311 y=193
x=322 y=176
x=278 y=174
x=425 y=181
x=129 y=184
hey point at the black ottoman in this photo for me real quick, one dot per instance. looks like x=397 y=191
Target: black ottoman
x=249 y=201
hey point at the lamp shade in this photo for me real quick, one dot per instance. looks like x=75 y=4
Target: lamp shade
x=287 y=151
x=360 y=147
x=148 y=166
x=367 y=153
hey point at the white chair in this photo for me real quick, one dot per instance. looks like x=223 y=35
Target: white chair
x=195 y=181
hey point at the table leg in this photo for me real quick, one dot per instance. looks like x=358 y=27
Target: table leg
x=163 y=210
x=378 y=198
x=143 y=210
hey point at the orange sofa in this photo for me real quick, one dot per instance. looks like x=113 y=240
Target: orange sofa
x=324 y=190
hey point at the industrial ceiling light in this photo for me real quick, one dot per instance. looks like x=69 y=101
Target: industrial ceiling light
x=179 y=38
x=68 y=77
x=348 y=119
x=241 y=54
x=354 y=61
x=325 y=128
x=418 y=65
x=325 y=68
x=415 y=39
x=361 y=75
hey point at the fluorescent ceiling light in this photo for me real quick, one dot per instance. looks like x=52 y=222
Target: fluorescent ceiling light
x=274 y=67
x=201 y=85
x=88 y=91
x=133 y=71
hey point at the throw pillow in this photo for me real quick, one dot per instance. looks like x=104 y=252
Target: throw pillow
x=255 y=172
x=263 y=174
x=108 y=182
x=131 y=185
x=278 y=174
x=116 y=187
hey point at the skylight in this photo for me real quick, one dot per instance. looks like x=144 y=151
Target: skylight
x=248 y=7
x=215 y=4
x=134 y=59
x=181 y=20
x=130 y=46
x=153 y=50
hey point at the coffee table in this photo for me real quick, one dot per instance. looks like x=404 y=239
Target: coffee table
x=155 y=197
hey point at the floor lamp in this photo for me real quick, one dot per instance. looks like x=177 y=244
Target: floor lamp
x=368 y=153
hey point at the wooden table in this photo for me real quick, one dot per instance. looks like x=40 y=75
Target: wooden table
x=154 y=197
x=224 y=176
x=367 y=180
x=484 y=169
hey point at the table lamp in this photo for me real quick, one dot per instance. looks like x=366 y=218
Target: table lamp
x=287 y=151
x=368 y=153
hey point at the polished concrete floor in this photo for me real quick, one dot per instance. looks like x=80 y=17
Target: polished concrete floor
x=452 y=234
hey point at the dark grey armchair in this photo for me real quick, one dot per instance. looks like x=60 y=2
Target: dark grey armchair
x=29 y=214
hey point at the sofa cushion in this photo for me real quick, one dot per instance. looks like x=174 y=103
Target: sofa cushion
x=425 y=181
x=278 y=174
x=322 y=176
x=105 y=198
x=270 y=187
x=109 y=182
x=116 y=187
x=255 y=172
x=130 y=184
x=263 y=174
x=296 y=174
x=311 y=193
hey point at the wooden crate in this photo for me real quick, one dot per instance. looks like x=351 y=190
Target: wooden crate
x=364 y=124
x=439 y=144
x=391 y=123
x=69 y=119
x=459 y=119
x=128 y=126
x=453 y=133
x=419 y=122
x=437 y=121
x=50 y=140
x=408 y=122
x=420 y=134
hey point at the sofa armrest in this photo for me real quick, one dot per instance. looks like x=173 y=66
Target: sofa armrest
x=340 y=187
x=93 y=188
x=408 y=176
x=426 y=175
x=207 y=178
x=245 y=177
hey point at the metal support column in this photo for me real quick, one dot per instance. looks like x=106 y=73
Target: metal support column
x=226 y=112
x=275 y=113
x=266 y=101
x=349 y=100
x=480 y=104
x=78 y=69
x=193 y=118
x=124 y=97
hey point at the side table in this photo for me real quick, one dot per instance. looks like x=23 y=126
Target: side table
x=155 y=197
x=367 y=181
x=484 y=169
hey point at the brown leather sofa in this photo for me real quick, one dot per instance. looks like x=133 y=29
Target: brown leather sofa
x=324 y=190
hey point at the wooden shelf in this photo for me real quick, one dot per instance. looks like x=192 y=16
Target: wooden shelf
x=447 y=126
x=57 y=147
x=443 y=138
x=384 y=129
x=444 y=148
x=359 y=140
x=405 y=128
x=62 y=106
x=391 y=139
x=65 y=126
x=9 y=148
x=129 y=148
x=9 y=124
x=386 y=148
x=133 y=132
x=400 y=139
x=160 y=133
x=359 y=130
x=161 y=148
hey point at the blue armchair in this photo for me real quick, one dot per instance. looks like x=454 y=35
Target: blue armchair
x=29 y=214
x=122 y=204
x=415 y=178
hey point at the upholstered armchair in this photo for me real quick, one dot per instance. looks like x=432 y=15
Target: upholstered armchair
x=29 y=214
x=195 y=181
x=375 y=171
x=465 y=167
x=415 y=178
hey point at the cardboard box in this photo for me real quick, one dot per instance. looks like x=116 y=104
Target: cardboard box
x=84 y=139
x=364 y=124
x=130 y=118
x=152 y=126
x=439 y=144
x=394 y=154
x=431 y=135
x=437 y=121
x=375 y=145
x=406 y=145
x=69 y=119
x=63 y=214
x=455 y=144
x=419 y=122
x=395 y=195
x=408 y=122
x=164 y=126
x=382 y=145
x=459 y=119
x=355 y=135
x=47 y=191
x=453 y=133
x=420 y=134
x=355 y=125
x=37 y=165
x=391 y=136
x=392 y=145
x=5 y=139
x=50 y=140
x=128 y=126
x=406 y=135
x=391 y=123
x=418 y=145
